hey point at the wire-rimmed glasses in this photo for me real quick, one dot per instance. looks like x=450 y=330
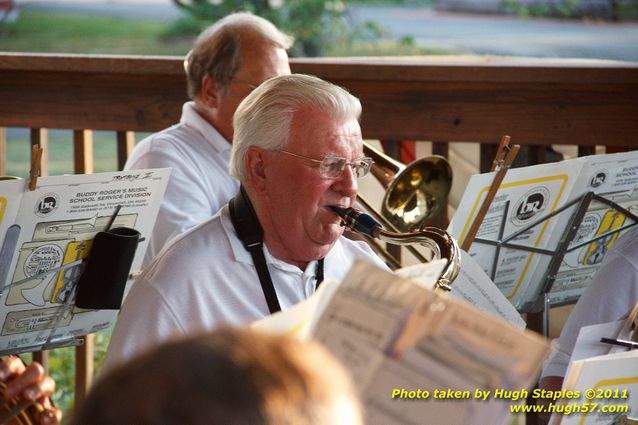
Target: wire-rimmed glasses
x=332 y=166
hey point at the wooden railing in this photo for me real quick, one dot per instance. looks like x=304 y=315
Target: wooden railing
x=443 y=100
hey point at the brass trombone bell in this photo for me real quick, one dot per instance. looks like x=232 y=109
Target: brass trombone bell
x=413 y=192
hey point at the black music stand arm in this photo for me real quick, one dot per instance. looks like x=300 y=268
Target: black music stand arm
x=582 y=203
x=568 y=236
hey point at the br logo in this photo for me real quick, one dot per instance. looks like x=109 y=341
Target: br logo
x=598 y=179
x=46 y=204
x=530 y=205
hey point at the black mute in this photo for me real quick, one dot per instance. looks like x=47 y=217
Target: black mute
x=102 y=283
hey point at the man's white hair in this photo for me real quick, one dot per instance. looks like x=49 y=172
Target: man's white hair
x=264 y=117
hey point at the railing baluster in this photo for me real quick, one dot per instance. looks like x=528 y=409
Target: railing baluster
x=83 y=151
x=392 y=148
x=40 y=136
x=3 y=151
x=84 y=355
x=586 y=150
x=83 y=164
x=441 y=218
x=488 y=153
x=125 y=145
x=42 y=357
x=441 y=148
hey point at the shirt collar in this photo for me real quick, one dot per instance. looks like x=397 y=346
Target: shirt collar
x=191 y=117
x=242 y=255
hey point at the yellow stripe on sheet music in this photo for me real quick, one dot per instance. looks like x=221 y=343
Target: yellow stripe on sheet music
x=608 y=383
x=483 y=192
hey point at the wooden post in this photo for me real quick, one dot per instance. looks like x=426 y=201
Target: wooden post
x=441 y=219
x=83 y=151
x=84 y=366
x=393 y=150
x=42 y=357
x=3 y=151
x=125 y=145
x=83 y=164
x=586 y=150
x=505 y=155
x=39 y=151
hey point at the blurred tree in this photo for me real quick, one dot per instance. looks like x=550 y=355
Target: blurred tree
x=615 y=10
x=315 y=24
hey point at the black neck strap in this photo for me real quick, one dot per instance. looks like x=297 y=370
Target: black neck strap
x=249 y=231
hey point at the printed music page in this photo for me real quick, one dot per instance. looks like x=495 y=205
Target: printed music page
x=588 y=342
x=10 y=196
x=471 y=285
x=615 y=178
x=425 y=273
x=393 y=334
x=45 y=244
x=606 y=386
x=365 y=317
x=520 y=213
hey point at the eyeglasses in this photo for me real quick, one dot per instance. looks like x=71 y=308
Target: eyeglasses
x=332 y=166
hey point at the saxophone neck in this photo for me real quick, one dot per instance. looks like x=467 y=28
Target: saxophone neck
x=437 y=240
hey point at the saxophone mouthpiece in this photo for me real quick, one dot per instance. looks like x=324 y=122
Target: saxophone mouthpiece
x=358 y=221
x=341 y=212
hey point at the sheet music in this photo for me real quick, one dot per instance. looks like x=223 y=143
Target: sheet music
x=610 y=379
x=614 y=177
x=391 y=332
x=529 y=194
x=588 y=342
x=472 y=285
x=425 y=274
x=475 y=287
x=363 y=320
x=53 y=227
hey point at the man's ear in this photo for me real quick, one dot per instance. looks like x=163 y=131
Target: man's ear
x=255 y=162
x=210 y=92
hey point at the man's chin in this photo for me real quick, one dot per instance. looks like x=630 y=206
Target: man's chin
x=324 y=245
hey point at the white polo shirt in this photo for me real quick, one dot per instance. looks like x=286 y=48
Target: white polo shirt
x=206 y=278
x=199 y=184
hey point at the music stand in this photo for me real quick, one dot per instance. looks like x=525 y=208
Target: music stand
x=543 y=303
x=94 y=280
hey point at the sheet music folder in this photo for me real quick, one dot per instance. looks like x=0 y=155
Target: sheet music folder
x=46 y=238
x=550 y=225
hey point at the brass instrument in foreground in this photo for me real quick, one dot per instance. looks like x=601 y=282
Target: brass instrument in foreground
x=439 y=241
x=414 y=192
x=19 y=409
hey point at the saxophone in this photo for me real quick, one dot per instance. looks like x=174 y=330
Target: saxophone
x=439 y=241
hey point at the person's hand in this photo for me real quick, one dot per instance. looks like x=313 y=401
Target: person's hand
x=31 y=384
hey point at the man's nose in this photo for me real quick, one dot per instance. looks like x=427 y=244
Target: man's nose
x=346 y=185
